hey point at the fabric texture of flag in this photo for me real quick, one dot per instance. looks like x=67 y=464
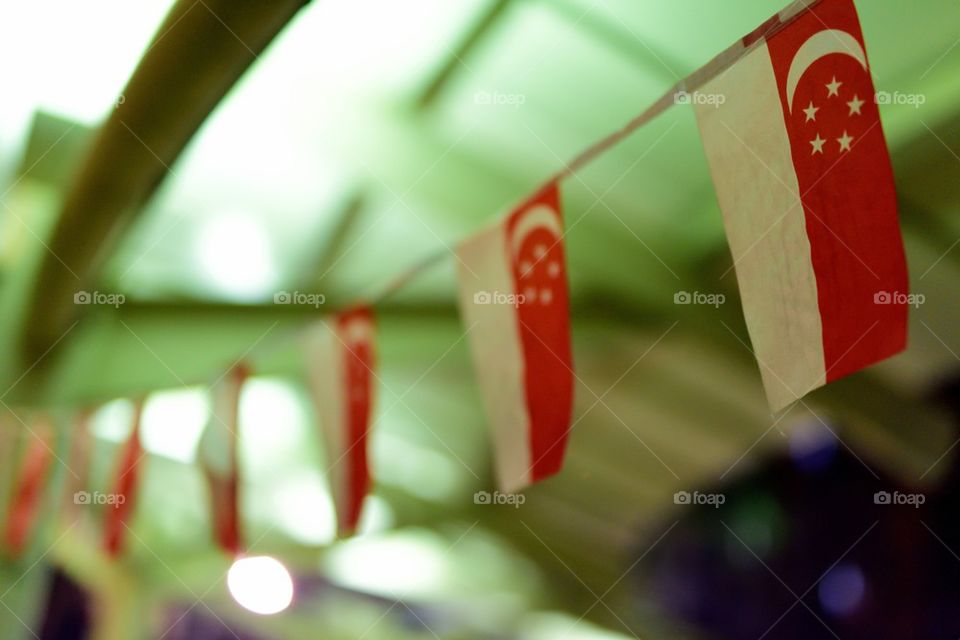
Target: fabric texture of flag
x=340 y=364
x=804 y=182
x=31 y=481
x=219 y=459
x=515 y=304
x=125 y=486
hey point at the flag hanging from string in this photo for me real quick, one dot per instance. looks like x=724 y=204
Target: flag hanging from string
x=219 y=458
x=804 y=182
x=340 y=364
x=124 y=487
x=515 y=304
x=31 y=481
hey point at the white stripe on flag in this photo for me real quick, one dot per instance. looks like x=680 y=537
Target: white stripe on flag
x=759 y=195
x=496 y=349
x=325 y=363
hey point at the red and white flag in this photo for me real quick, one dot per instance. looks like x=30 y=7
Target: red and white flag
x=340 y=364
x=515 y=303
x=124 y=488
x=79 y=452
x=793 y=138
x=219 y=458
x=31 y=481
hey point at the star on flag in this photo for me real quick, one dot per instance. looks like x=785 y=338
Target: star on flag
x=817 y=144
x=833 y=87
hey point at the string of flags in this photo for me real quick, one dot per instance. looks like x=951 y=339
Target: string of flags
x=805 y=186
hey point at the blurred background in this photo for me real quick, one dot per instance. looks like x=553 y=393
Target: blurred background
x=183 y=163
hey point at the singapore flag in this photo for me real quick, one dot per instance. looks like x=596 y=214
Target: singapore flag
x=804 y=182
x=219 y=458
x=514 y=300
x=31 y=480
x=340 y=365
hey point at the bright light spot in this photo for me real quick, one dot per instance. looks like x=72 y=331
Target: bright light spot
x=260 y=584
x=562 y=626
x=411 y=563
x=313 y=525
x=275 y=424
x=841 y=591
x=104 y=41
x=113 y=421
x=235 y=254
x=173 y=422
x=812 y=445
x=377 y=516
x=418 y=470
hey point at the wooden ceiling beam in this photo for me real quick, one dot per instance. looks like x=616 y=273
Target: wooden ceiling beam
x=200 y=51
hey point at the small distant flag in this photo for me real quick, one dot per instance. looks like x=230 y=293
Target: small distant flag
x=79 y=454
x=31 y=481
x=219 y=458
x=125 y=487
x=515 y=304
x=803 y=177
x=340 y=364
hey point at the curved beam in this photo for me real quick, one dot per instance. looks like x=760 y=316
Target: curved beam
x=199 y=52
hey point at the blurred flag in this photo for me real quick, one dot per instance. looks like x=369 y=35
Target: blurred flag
x=125 y=486
x=340 y=363
x=219 y=460
x=793 y=138
x=80 y=450
x=31 y=480
x=514 y=300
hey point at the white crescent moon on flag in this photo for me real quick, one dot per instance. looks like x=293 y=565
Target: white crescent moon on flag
x=534 y=218
x=821 y=44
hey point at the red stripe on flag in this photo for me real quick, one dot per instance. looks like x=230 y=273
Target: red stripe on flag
x=28 y=494
x=358 y=366
x=539 y=268
x=126 y=484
